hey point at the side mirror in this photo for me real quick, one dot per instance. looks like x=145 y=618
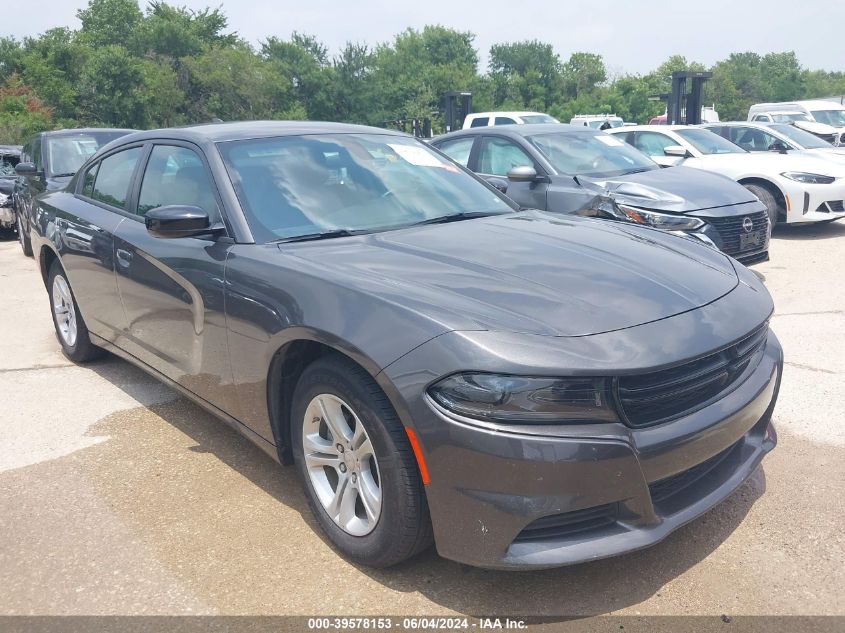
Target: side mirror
x=499 y=183
x=177 y=220
x=676 y=151
x=778 y=146
x=26 y=169
x=523 y=173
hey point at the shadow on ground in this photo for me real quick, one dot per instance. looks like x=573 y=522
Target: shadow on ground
x=815 y=231
x=153 y=455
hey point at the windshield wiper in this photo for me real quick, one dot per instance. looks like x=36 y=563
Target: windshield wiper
x=456 y=217
x=324 y=235
x=63 y=175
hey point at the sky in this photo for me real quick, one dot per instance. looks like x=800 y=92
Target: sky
x=633 y=36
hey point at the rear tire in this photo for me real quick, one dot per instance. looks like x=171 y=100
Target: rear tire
x=70 y=327
x=378 y=534
x=23 y=238
x=769 y=201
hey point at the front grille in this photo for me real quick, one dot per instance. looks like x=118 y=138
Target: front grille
x=730 y=230
x=661 y=396
x=559 y=526
x=665 y=488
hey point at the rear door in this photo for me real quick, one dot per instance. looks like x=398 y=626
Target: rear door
x=81 y=224
x=172 y=289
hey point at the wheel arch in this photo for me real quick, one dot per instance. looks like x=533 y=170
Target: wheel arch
x=287 y=365
x=46 y=257
x=770 y=186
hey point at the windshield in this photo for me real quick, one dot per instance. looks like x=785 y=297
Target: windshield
x=789 y=116
x=836 y=118
x=302 y=185
x=707 y=142
x=596 y=125
x=591 y=154
x=538 y=118
x=66 y=153
x=803 y=138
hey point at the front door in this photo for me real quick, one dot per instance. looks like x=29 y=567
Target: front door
x=172 y=289
x=497 y=156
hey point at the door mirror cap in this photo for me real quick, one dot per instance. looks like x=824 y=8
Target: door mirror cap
x=523 y=173
x=26 y=169
x=177 y=220
x=677 y=151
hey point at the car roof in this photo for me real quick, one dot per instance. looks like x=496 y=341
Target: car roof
x=518 y=130
x=85 y=130
x=650 y=128
x=505 y=113
x=221 y=132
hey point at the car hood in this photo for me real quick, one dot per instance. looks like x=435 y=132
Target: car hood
x=677 y=189
x=530 y=272
x=815 y=127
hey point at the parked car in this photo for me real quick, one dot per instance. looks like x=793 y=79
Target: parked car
x=795 y=189
x=48 y=161
x=9 y=157
x=777 y=137
x=708 y=115
x=559 y=168
x=825 y=119
x=597 y=121
x=484 y=119
x=354 y=302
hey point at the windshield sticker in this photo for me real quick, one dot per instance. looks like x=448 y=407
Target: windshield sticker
x=416 y=155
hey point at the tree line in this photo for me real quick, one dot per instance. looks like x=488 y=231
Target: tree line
x=168 y=65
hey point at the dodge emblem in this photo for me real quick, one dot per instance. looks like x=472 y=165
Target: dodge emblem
x=747 y=224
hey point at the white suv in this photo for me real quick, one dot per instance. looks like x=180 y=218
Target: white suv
x=794 y=188
x=825 y=119
x=483 y=119
x=596 y=121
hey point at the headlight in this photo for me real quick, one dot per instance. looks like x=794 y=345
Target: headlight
x=652 y=218
x=523 y=400
x=810 y=179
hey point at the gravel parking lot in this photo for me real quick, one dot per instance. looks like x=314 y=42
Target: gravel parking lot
x=119 y=497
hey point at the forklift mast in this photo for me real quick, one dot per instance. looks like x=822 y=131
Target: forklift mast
x=457 y=105
x=683 y=106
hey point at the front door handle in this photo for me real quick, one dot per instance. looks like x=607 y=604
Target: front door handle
x=124 y=257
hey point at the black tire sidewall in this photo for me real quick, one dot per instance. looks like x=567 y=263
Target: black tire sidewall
x=23 y=238
x=769 y=201
x=378 y=548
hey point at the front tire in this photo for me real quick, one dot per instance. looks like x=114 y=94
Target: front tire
x=70 y=327
x=357 y=466
x=769 y=201
x=23 y=238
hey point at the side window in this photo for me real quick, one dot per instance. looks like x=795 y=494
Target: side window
x=177 y=175
x=88 y=181
x=499 y=156
x=652 y=143
x=479 y=122
x=754 y=140
x=763 y=117
x=458 y=150
x=111 y=184
x=503 y=120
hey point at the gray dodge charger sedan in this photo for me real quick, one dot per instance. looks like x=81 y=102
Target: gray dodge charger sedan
x=521 y=388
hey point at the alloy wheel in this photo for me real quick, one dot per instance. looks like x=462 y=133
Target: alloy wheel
x=64 y=311
x=341 y=464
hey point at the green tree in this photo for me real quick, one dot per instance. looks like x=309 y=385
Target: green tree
x=22 y=113
x=111 y=90
x=109 y=22
x=525 y=74
x=583 y=72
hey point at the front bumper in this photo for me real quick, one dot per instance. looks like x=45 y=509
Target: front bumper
x=724 y=230
x=815 y=203
x=490 y=488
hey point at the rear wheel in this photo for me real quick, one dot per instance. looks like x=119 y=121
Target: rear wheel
x=774 y=208
x=70 y=327
x=357 y=466
x=23 y=238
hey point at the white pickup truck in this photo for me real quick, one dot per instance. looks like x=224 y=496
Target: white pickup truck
x=825 y=119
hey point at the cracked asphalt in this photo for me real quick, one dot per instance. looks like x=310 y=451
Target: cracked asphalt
x=119 y=497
